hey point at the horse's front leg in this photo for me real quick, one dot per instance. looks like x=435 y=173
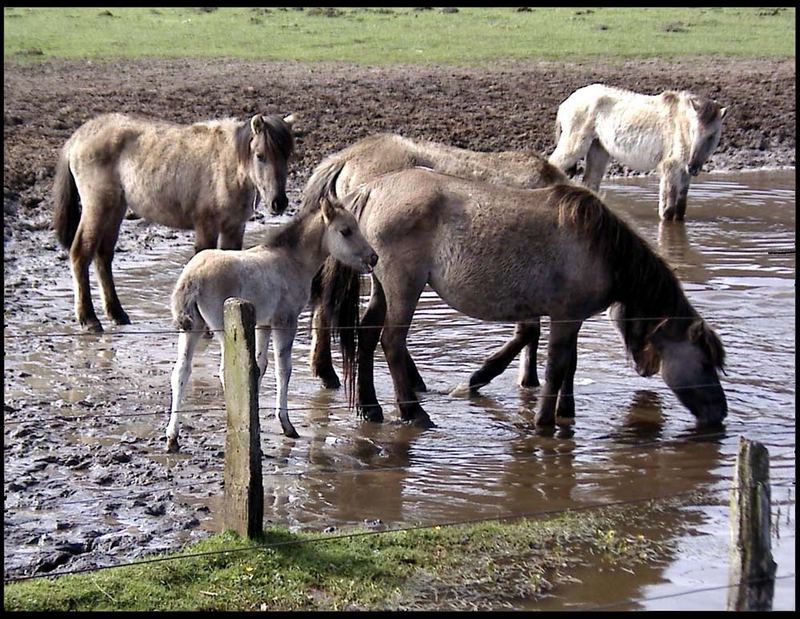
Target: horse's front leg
x=596 y=163
x=673 y=189
x=562 y=348
x=525 y=334
x=565 y=410
x=206 y=231
x=187 y=341
x=283 y=335
x=231 y=236
x=399 y=313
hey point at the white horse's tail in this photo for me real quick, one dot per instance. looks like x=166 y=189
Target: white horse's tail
x=185 y=313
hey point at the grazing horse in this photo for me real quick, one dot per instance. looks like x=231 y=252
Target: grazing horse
x=378 y=154
x=510 y=255
x=207 y=176
x=673 y=132
x=276 y=278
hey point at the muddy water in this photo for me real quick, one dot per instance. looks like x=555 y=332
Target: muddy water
x=632 y=438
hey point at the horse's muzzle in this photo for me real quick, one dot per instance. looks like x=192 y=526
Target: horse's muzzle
x=279 y=204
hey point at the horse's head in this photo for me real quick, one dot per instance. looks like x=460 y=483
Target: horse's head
x=705 y=130
x=344 y=240
x=265 y=150
x=689 y=359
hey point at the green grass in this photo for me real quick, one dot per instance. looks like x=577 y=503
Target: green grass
x=455 y=567
x=397 y=35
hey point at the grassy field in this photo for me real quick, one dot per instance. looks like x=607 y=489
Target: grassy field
x=454 y=567
x=397 y=35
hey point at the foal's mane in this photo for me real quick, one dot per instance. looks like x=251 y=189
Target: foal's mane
x=279 y=138
x=649 y=294
x=287 y=235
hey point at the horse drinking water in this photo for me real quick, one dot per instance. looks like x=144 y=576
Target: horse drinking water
x=509 y=255
x=341 y=172
x=673 y=132
x=276 y=278
x=207 y=176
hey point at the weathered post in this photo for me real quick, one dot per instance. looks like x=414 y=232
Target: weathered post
x=244 y=493
x=752 y=572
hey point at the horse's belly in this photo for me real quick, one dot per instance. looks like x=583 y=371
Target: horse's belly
x=638 y=148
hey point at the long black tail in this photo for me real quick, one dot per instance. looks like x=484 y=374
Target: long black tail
x=341 y=297
x=67 y=208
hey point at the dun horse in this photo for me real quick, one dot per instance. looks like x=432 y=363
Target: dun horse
x=276 y=279
x=207 y=176
x=378 y=154
x=673 y=132
x=501 y=254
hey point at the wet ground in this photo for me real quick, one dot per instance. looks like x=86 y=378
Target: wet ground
x=87 y=482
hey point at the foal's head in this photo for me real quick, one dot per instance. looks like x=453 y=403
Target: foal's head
x=705 y=121
x=343 y=238
x=264 y=146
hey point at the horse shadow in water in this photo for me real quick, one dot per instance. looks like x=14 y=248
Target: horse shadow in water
x=509 y=255
x=207 y=176
x=674 y=133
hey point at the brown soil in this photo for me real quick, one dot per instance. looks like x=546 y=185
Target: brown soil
x=500 y=106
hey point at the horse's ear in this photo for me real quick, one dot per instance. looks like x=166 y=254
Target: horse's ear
x=722 y=112
x=256 y=124
x=328 y=210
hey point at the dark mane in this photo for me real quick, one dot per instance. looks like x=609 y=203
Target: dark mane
x=280 y=140
x=644 y=285
x=323 y=183
x=288 y=234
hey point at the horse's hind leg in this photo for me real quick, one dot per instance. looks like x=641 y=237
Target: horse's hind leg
x=596 y=163
x=525 y=334
x=369 y=334
x=105 y=256
x=187 y=341
x=320 y=359
x=562 y=349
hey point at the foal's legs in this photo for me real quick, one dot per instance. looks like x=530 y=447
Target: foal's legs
x=596 y=163
x=284 y=338
x=105 y=256
x=561 y=352
x=525 y=334
x=187 y=341
x=263 y=334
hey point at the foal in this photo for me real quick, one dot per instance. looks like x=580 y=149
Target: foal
x=276 y=278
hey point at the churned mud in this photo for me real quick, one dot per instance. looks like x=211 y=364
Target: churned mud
x=500 y=106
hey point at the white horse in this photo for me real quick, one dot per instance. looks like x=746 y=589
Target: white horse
x=673 y=132
x=276 y=278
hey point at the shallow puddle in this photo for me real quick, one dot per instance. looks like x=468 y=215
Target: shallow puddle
x=632 y=438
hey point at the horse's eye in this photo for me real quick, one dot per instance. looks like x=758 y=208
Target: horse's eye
x=261 y=157
x=346 y=232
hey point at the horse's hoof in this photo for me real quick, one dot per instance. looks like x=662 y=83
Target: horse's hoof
x=121 y=318
x=420 y=386
x=290 y=433
x=544 y=420
x=173 y=446
x=565 y=422
x=371 y=412
x=422 y=422
x=92 y=326
x=461 y=390
x=529 y=382
x=330 y=382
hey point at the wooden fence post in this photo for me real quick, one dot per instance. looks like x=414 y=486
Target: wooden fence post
x=244 y=493
x=752 y=572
